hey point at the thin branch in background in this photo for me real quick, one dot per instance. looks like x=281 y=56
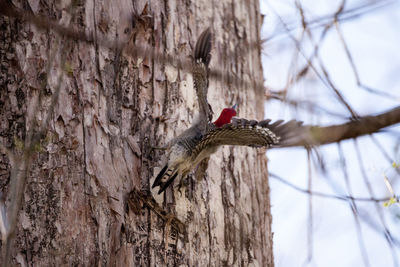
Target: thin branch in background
x=396 y=147
x=305 y=104
x=387 y=233
x=297 y=103
x=292 y=79
x=327 y=82
x=344 y=16
x=395 y=134
x=318 y=160
x=293 y=65
x=353 y=207
x=352 y=13
x=362 y=213
x=353 y=67
x=325 y=195
x=300 y=74
x=312 y=62
x=385 y=155
x=368 y=219
x=381 y=149
x=336 y=90
x=316 y=48
x=322 y=66
x=316 y=51
x=310 y=213
x=391 y=190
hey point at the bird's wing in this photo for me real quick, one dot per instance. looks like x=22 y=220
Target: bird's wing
x=202 y=57
x=190 y=138
x=252 y=133
x=203 y=47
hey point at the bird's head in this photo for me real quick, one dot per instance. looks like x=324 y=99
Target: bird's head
x=226 y=116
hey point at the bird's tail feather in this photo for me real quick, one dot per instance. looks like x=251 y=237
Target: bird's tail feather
x=158 y=179
x=164 y=185
x=165 y=177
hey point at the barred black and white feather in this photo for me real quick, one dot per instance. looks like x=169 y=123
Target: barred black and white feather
x=202 y=57
x=240 y=132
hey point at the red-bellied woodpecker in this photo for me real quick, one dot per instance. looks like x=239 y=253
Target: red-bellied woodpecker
x=192 y=146
x=179 y=148
x=204 y=137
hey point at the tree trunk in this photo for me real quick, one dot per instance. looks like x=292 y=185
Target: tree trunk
x=87 y=197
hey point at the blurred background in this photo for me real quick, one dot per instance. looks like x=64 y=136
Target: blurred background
x=326 y=62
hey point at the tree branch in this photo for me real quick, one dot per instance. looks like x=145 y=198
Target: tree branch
x=316 y=135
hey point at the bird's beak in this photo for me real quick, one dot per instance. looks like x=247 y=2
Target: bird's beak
x=235 y=106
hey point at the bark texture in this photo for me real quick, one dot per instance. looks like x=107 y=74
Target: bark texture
x=87 y=199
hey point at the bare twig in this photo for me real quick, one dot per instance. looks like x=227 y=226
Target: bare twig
x=345 y=15
x=305 y=104
x=387 y=234
x=353 y=207
x=384 y=153
x=324 y=195
x=354 y=68
x=327 y=81
x=310 y=213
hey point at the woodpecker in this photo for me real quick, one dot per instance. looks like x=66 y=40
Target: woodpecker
x=204 y=137
x=179 y=147
x=192 y=146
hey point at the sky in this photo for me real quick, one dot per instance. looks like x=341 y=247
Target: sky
x=373 y=40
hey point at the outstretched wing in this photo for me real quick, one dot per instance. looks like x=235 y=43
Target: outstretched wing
x=202 y=57
x=252 y=133
x=181 y=146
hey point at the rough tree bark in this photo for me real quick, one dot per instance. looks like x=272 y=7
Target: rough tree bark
x=87 y=199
